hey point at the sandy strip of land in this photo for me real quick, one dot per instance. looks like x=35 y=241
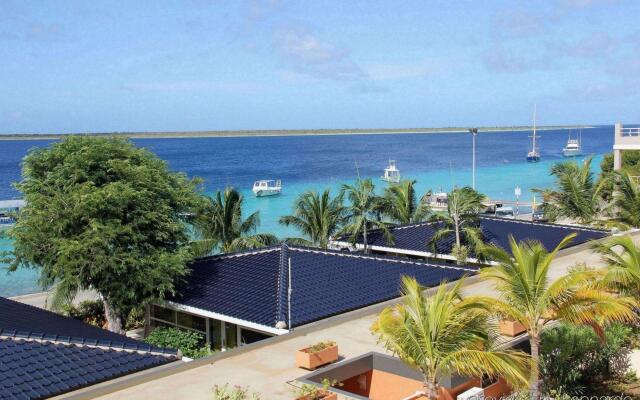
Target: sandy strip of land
x=292 y=132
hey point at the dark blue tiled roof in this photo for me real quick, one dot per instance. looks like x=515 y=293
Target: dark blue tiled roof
x=494 y=230
x=43 y=354
x=252 y=286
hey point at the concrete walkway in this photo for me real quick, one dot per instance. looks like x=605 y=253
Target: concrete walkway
x=267 y=369
x=43 y=299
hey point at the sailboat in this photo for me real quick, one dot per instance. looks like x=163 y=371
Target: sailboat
x=573 y=147
x=534 y=154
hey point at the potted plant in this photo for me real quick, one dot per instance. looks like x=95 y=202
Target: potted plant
x=312 y=392
x=319 y=354
x=509 y=327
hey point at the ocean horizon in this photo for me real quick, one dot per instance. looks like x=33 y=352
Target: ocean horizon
x=435 y=160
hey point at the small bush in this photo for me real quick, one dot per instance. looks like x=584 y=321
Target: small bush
x=190 y=343
x=574 y=358
x=89 y=311
x=135 y=319
x=234 y=393
x=314 y=348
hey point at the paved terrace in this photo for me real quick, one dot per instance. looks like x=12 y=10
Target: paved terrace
x=267 y=366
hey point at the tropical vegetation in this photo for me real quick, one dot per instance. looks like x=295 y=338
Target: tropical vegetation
x=460 y=220
x=104 y=215
x=622 y=258
x=362 y=213
x=400 y=203
x=317 y=216
x=576 y=361
x=219 y=224
x=444 y=334
x=576 y=196
x=527 y=294
x=626 y=198
x=190 y=343
x=225 y=392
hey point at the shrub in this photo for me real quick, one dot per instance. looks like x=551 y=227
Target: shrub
x=314 y=348
x=234 y=393
x=190 y=343
x=574 y=358
x=89 y=311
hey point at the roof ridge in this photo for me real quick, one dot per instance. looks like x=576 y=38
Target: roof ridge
x=524 y=222
x=240 y=253
x=80 y=341
x=282 y=287
x=375 y=257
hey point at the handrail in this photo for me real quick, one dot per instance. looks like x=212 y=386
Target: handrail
x=630 y=131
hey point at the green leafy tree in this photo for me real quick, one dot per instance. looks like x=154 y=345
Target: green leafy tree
x=317 y=216
x=630 y=164
x=104 y=215
x=627 y=199
x=362 y=212
x=401 y=205
x=528 y=295
x=622 y=257
x=576 y=196
x=444 y=334
x=461 y=220
x=220 y=225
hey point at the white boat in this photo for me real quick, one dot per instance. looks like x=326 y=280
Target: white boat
x=391 y=173
x=533 y=155
x=573 y=147
x=267 y=188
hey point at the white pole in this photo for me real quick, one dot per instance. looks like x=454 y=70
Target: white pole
x=474 y=132
x=289 y=291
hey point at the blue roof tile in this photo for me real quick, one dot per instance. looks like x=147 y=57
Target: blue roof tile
x=415 y=237
x=253 y=286
x=43 y=354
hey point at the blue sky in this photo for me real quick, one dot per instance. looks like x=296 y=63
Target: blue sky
x=75 y=66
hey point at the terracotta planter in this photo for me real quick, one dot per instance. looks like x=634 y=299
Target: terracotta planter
x=510 y=328
x=324 y=396
x=311 y=361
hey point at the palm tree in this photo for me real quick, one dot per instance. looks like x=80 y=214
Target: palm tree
x=622 y=257
x=576 y=197
x=361 y=212
x=446 y=334
x=400 y=204
x=527 y=294
x=220 y=225
x=317 y=216
x=627 y=198
x=461 y=219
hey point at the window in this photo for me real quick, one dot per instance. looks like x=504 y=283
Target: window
x=192 y=322
x=231 y=335
x=164 y=314
x=248 y=336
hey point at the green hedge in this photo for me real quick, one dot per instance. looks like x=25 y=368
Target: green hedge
x=190 y=343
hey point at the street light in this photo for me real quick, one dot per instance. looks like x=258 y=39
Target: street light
x=518 y=193
x=474 y=132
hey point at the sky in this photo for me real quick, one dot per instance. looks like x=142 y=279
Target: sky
x=106 y=66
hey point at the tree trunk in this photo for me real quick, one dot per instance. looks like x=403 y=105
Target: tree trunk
x=534 y=385
x=431 y=390
x=114 y=320
x=364 y=236
x=457 y=234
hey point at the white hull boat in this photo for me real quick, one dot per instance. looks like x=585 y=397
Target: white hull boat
x=573 y=147
x=267 y=188
x=391 y=173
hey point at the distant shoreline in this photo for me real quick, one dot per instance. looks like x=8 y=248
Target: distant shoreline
x=284 y=132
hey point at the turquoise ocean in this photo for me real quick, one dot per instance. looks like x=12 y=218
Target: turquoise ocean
x=436 y=161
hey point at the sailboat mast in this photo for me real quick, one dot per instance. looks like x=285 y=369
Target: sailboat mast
x=534 y=126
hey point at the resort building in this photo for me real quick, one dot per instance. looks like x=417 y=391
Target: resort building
x=237 y=299
x=43 y=354
x=625 y=139
x=413 y=240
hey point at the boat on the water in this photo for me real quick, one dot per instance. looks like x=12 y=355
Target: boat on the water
x=533 y=155
x=267 y=188
x=573 y=147
x=391 y=173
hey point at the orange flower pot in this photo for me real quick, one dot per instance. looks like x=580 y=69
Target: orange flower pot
x=510 y=328
x=307 y=360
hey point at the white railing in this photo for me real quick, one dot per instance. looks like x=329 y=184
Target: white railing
x=630 y=131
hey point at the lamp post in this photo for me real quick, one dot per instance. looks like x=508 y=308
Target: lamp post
x=518 y=193
x=474 y=132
